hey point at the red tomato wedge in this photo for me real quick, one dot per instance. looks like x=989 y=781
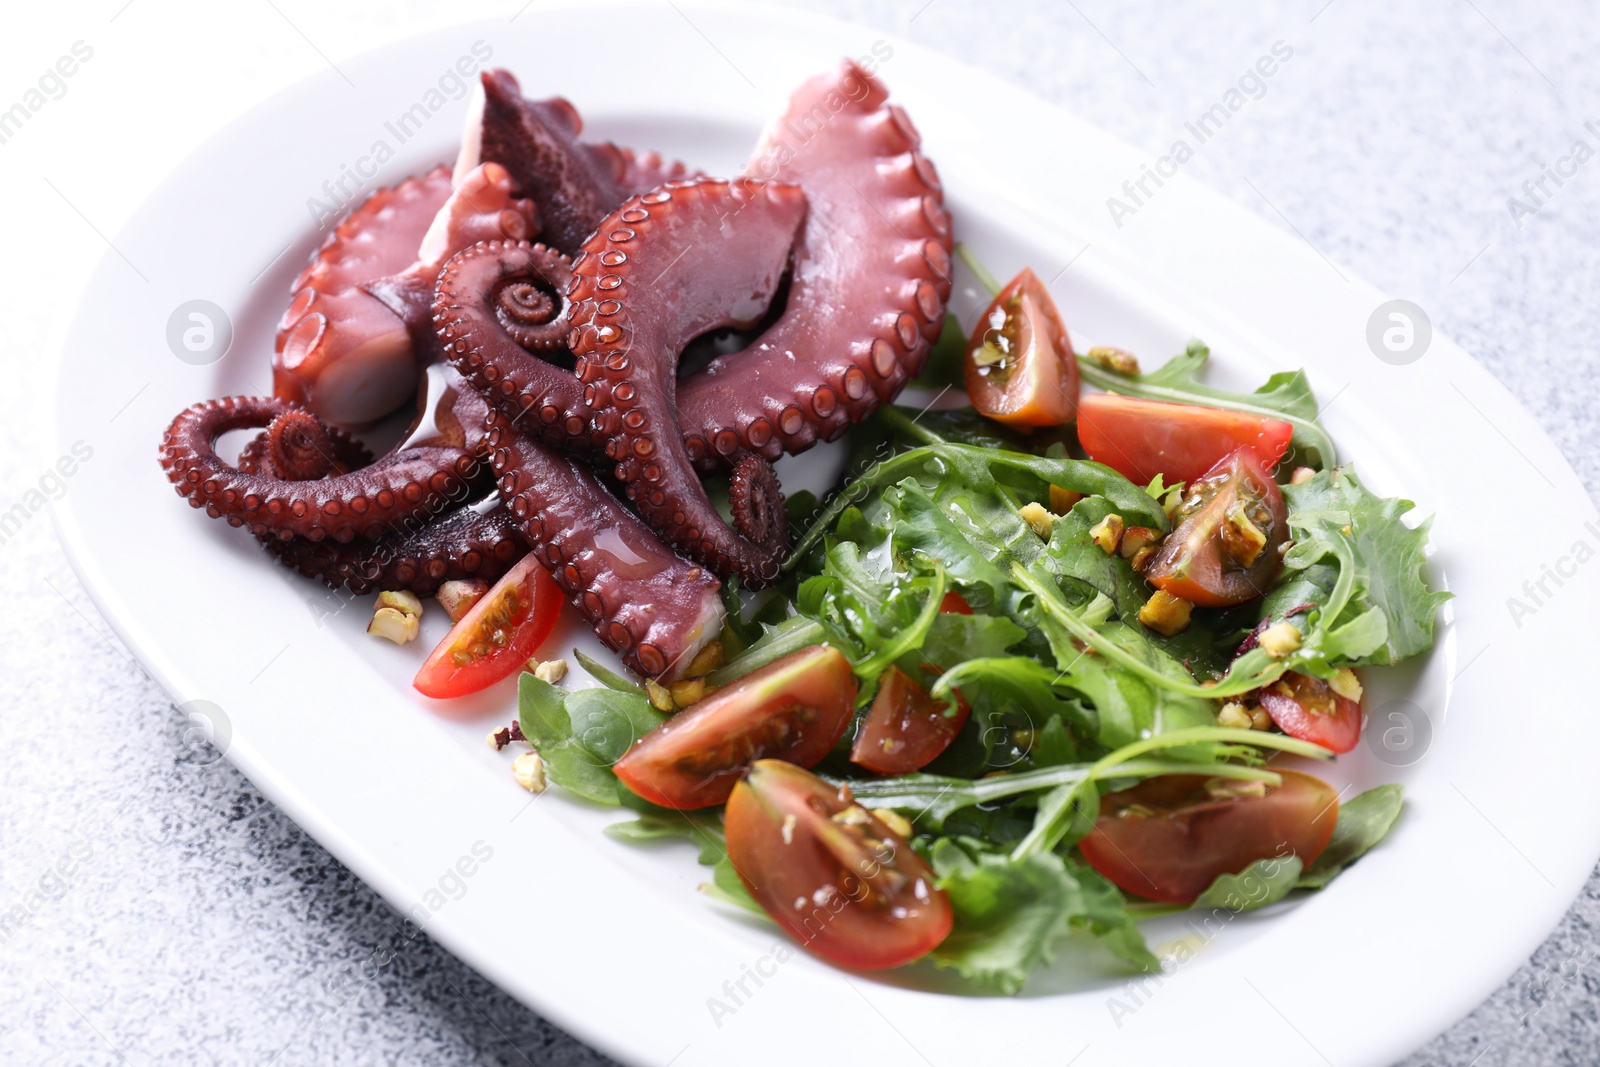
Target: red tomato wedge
x=494 y=639
x=955 y=604
x=795 y=708
x=1228 y=546
x=830 y=872
x=1306 y=707
x=1168 y=838
x=905 y=729
x=1020 y=368
x=1140 y=439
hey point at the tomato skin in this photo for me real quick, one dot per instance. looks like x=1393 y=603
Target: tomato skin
x=1195 y=561
x=905 y=729
x=531 y=600
x=1036 y=383
x=795 y=708
x=867 y=899
x=1140 y=439
x=955 y=604
x=1168 y=838
x=1312 y=711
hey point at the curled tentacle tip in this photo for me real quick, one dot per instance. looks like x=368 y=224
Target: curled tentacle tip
x=757 y=504
x=299 y=447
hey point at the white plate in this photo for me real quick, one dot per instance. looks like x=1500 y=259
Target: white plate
x=612 y=942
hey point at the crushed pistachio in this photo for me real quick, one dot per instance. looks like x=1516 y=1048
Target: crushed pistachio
x=1234 y=716
x=393 y=625
x=1107 y=534
x=687 y=692
x=528 y=770
x=458 y=597
x=1346 y=684
x=1135 y=539
x=1280 y=639
x=551 y=670
x=1166 y=614
x=660 y=696
x=1260 y=720
x=1117 y=360
x=1301 y=475
x=1241 y=537
x=1038 y=517
x=894 y=821
x=707 y=660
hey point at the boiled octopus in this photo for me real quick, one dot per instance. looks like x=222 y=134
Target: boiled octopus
x=587 y=330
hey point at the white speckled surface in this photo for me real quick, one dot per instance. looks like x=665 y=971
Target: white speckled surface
x=199 y=925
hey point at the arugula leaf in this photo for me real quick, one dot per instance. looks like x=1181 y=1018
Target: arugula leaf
x=1073 y=554
x=1286 y=395
x=581 y=734
x=1363 y=567
x=1364 y=821
x=1011 y=916
x=603 y=674
x=776 y=641
x=703 y=829
x=1263 y=882
x=726 y=887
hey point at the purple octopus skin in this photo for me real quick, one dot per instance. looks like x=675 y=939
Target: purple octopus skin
x=409 y=483
x=646 y=603
x=574 y=183
x=638 y=298
x=489 y=302
x=871 y=277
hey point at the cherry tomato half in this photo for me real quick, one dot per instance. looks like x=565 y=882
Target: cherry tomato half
x=1140 y=439
x=1228 y=547
x=1168 y=838
x=495 y=638
x=955 y=604
x=830 y=873
x=795 y=708
x=1020 y=369
x=1306 y=707
x=905 y=729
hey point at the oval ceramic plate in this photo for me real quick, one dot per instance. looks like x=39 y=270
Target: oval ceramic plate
x=613 y=942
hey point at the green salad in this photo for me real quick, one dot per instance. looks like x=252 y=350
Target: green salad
x=1037 y=668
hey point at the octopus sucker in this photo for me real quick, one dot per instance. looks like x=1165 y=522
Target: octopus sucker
x=876 y=225
x=708 y=254
x=536 y=300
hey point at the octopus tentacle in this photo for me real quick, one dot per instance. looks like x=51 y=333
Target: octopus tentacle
x=299 y=446
x=480 y=540
x=414 y=484
x=869 y=285
x=469 y=317
x=339 y=350
x=645 y=602
x=636 y=306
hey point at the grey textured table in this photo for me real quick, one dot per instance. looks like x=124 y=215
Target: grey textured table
x=198 y=924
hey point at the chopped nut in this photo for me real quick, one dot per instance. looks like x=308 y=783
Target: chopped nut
x=689 y=691
x=1037 y=516
x=660 y=696
x=401 y=600
x=1135 y=539
x=394 y=625
x=1063 y=500
x=1118 y=360
x=1234 y=716
x=1230 y=788
x=1165 y=613
x=528 y=770
x=1346 y=530
x=1260 y=720
x=707 y=660
x=1301 y=474
x=1107 y=534
x=1280 y=639
x=1346 y=684
x=1242 y=538
x=1141 y=558
x=457 y=597
x=894 y=821
x=551 y=670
